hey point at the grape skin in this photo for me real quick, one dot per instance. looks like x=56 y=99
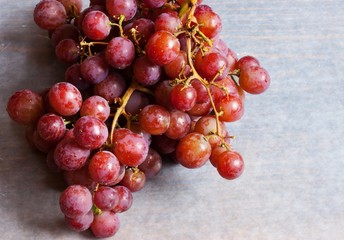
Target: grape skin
x=65 y=98
x=120 y=52
x=75 y=201
x=105 y=224
x=130 y=148
x=49 y=14
x=90 y=132
x=154 y=119
x=80 y=223
x=69 y=156
x=96 y=25
x=25 y=107
x=51 y=127
x=193 y=150
x=104 y=167
x=162 y=47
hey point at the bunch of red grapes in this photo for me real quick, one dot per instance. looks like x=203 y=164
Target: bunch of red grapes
x=145 y=80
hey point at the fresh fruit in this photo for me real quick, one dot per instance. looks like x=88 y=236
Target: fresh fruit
x=144 y=80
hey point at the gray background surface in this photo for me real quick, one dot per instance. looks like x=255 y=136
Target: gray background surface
x=291 y=137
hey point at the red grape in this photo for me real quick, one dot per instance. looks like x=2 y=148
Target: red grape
x=90 y=132
x=154 y=119
x=65 y=98
x=105 y=224
x=95 y=106
x=230 y=164
x=96 y=25
x=51 y=127
x=75 y=201
x=120 y=52
x=183 y=97
x=104 y=167
x=127 y=8
x=193 y=150
x=49 y=14
x=162 y=48
x=130 y=148
x=254 y=79
x=25 y=107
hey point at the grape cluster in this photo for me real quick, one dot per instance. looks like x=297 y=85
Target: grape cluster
x=145 y=79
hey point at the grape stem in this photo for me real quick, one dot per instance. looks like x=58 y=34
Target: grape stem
x=204 y=82
x=124 y=101
x=90 y=44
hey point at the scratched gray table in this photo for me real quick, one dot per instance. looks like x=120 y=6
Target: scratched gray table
x=291 y=137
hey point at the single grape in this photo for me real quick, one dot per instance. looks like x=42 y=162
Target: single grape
x=130 y=148
x=104 y=167
x=232 y=108
x=254 y=79
x=210 y=23
x=49 y=14
x=105 y=198
x=139 y=31
x=162 y=48
x=120 y=52
x=137 y=101
x=152 y=164
x=67 y=51
x=178 y=67
x=65 y=98
x=134 y=179
x=164 y=144
x=112 y=87
x=90 y=132
x=201 y=90
x=162 y=94
x=95 y=25
x=127 y=8
x=105 y=224
x=94 y=69
x=154 y=119
x=180 y=124
x=96 y=106
x=230 y=165
x=183 y=97
x=25 y=107
x=75 y=201
x=73 y=76
x=51 y=127
x=211 y=65
x=168 y=21
x=193 y=150
x=146 y=72
x=69 y=156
